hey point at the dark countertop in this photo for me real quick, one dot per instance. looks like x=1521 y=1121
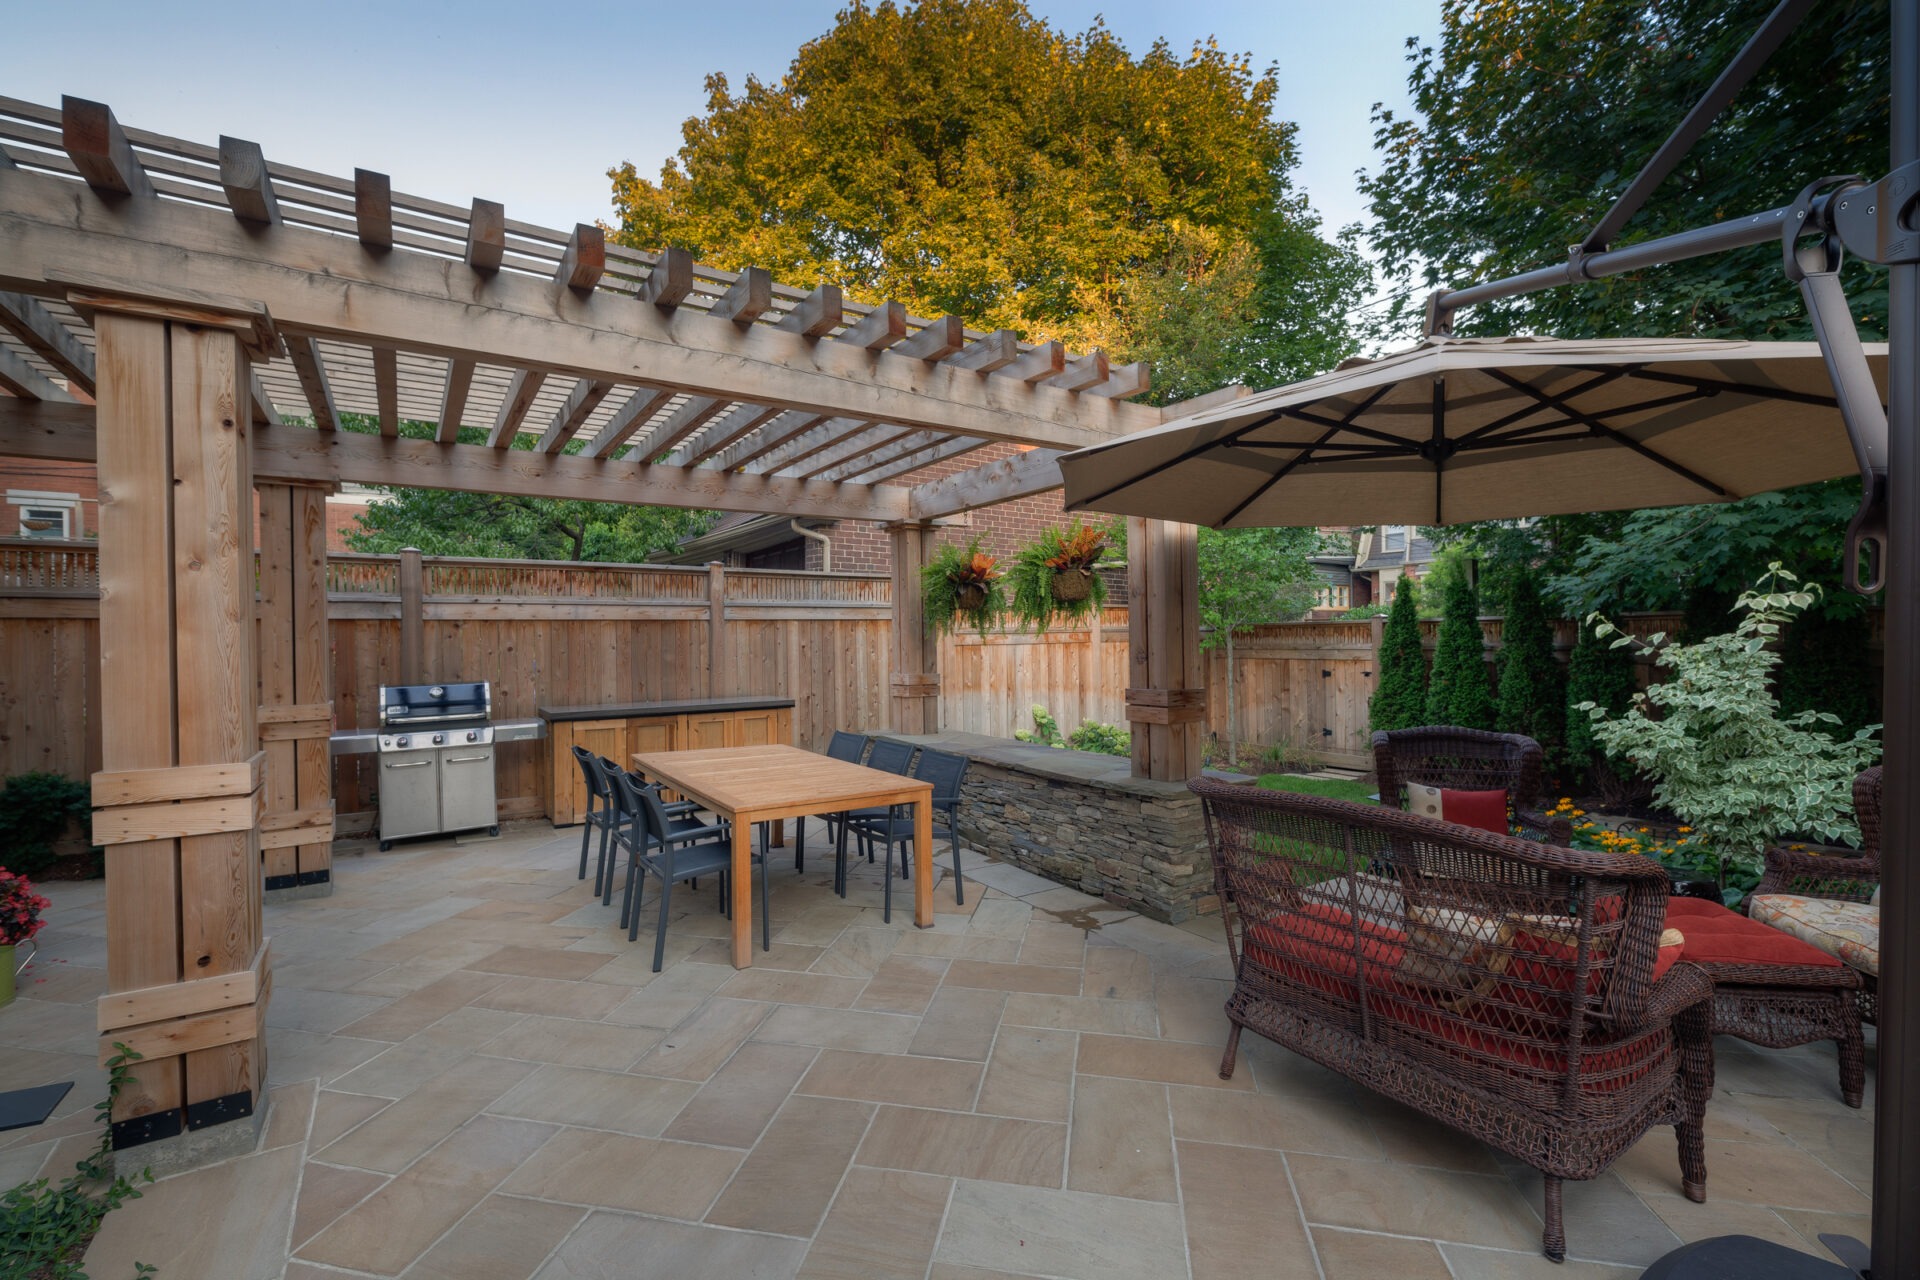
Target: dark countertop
x=634 y=710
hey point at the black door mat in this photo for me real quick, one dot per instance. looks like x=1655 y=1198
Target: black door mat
x=22 y=1107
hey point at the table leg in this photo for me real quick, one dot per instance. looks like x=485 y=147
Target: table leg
x=923 y=864
x=740 y=884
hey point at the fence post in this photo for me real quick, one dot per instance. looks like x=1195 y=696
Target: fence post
x=913 y=654
x=718 y=682
x=412 y=617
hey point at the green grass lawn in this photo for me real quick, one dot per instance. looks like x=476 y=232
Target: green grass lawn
x=1338 y=788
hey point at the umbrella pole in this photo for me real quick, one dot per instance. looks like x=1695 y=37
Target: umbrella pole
x=1896 y=1155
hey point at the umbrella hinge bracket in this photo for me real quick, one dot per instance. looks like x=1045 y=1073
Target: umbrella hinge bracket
x=1438 y=450
x=1877 y=221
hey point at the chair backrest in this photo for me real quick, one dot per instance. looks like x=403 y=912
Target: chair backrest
x=890 y=755
x=590 y=766
x=611 y=776
x=1478 y=956
x=1866 y=809
x=847 y=746
x=1457 y=759
x=944 y=770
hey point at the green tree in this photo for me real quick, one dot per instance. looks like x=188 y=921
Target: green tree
x=450 y=523
x=963 y=157
x=1458 y=692
x=1533 y=695
x=1531 y=116
x=1599 y=674
x=1249 y=577
x=1400 y=698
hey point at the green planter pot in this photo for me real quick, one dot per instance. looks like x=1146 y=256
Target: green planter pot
x=6 y=975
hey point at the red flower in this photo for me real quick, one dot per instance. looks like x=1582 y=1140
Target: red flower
x=20 y=909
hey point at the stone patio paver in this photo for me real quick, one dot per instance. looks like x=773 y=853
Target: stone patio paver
x=474 y=1073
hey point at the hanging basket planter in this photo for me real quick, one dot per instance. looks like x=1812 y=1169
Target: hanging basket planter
x=1055 y=578
x=1070 y=586
x=962 y=584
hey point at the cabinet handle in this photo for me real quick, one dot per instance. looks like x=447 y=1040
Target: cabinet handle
x=466 y=759
x=409 y=764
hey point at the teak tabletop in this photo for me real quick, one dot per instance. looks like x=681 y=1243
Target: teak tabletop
x=769 y=783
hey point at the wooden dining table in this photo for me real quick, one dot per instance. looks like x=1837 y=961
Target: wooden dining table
x=749 y=785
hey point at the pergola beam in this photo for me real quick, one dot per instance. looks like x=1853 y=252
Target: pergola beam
x=22 y=379
x=905 y=464
x=486 y=236
x=312 y=372
x=325 y=285
x=816 y=315
x=628 y=418
x=859 y=446
x=386 y=389
x=984 y=355
x=741 y=421
x=249 y=187
x=100 y=151
x=52 y=341
x=936 y=341
x=301 y=455
x=879 y=329
x=823 y=436
x=788 y=425
x=453 y=401
x=1024 y=474
x=749 y=298
x=521 y=391
x=678 y=426
x=585 y=259
x=670 y=281
x=373 y=208
x=1046 y=360
x=1082 y=372
x=1128 y=380
x=581 y=402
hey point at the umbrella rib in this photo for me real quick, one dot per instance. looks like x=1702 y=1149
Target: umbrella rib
x=1709 y=386
x=1529 y=433
x=1598 y=427
x=1305 y=455
x=1517 y=415
x=1231 y=438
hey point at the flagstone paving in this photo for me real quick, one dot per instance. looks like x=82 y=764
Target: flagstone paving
x=473 y=1073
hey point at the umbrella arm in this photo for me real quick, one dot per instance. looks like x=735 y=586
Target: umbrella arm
x=1850 y=217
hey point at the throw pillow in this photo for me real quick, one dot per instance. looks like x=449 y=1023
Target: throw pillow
x=1483 y=810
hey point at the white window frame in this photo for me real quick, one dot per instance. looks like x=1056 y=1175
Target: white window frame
x=67 y=504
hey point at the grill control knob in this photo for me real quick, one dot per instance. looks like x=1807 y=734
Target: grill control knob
x=439 y=739
x=402 y=740
x=473 y=735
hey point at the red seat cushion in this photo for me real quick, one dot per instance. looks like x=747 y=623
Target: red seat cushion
x=1718 y=935
x=1315 y=945
x=1486 y=810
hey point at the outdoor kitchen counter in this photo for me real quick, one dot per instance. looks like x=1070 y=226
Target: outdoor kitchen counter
x=619 y=730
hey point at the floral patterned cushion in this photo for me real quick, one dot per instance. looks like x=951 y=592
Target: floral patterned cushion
x=1848 y=930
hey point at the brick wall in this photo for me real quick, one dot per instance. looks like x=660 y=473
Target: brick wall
x=71 y=481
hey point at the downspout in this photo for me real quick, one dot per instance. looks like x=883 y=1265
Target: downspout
x=814 y=535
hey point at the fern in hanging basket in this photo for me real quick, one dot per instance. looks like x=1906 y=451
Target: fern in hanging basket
x=1055 y=577
x=962 y=584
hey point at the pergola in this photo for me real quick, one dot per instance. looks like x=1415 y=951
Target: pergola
x=200 y=297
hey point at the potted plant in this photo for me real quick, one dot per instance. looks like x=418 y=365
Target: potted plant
x=20 y=909
x=962 y=583
x=1055 y=578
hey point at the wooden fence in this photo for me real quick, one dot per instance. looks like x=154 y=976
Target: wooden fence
x=556 y=633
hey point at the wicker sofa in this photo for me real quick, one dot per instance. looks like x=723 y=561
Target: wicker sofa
x=1438 y=964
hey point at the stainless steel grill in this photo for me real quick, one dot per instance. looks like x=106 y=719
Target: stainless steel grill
x=436 y=745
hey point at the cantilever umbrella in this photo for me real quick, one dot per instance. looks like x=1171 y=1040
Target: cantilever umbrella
x=1460 y=429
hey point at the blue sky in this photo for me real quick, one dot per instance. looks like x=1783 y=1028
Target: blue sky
x=530 y=104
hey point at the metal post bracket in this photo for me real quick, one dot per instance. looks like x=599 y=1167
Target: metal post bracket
x=1877 y=222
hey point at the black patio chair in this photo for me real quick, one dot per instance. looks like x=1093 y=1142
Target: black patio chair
x=604 y=769
x=674 y=849
x=844 y=746
x=946 y=771
x=600 y=814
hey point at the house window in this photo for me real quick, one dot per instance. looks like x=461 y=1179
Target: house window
x=1332 y=597
x=1393 y=537
x=47 y=515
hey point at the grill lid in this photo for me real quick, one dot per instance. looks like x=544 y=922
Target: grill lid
x=412 y=704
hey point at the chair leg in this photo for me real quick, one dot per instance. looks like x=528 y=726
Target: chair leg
x=1693 y=1031
x=886 y=900
x=840 y=862
x=958 y=899
x=1553 y=1241
x=609 y=857
x=1229 y=1060
x=1853 y=1053
x=800 y=846
x=586 y=837
x=628 y=906
x=660 y=936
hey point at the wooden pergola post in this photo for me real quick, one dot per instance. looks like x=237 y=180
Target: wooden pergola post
x=913 y=649
x=178 y=803
x=296 y=691
x=413 y=617
x=1166 y=685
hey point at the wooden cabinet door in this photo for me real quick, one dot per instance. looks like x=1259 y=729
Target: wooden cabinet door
x=602 y=737
x=661 y=733
x=757 y=728
x=708 y=730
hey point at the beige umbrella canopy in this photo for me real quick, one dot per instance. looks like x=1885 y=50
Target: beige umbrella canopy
x=1461 y=429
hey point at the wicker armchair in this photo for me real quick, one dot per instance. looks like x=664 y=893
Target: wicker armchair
x=1816 y=874
x=1453 y=988
x=1467 y=760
